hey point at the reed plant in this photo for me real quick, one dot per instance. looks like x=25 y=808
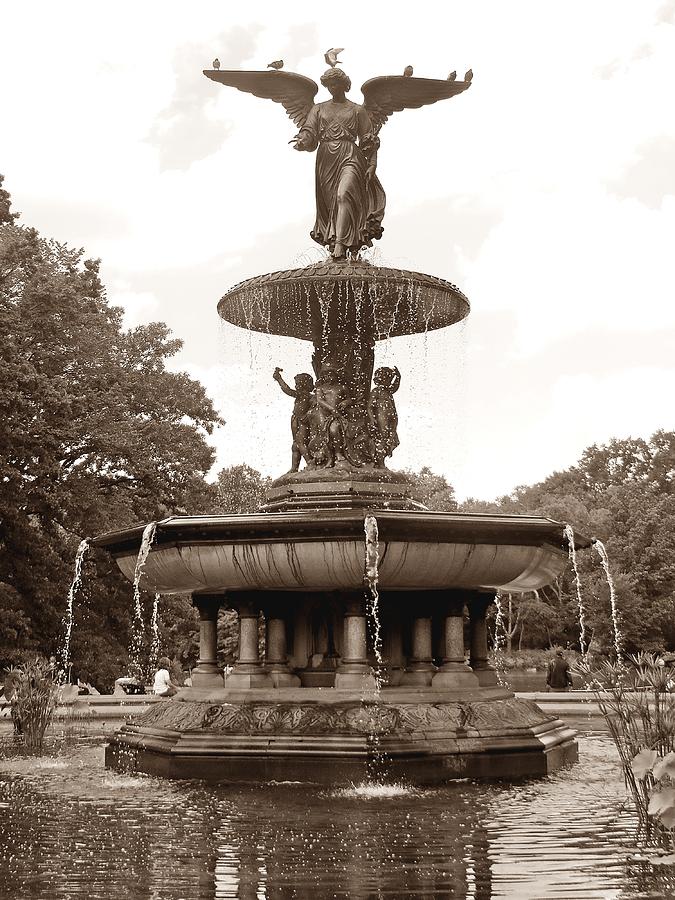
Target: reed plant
x=634 y=697
x=33 y=700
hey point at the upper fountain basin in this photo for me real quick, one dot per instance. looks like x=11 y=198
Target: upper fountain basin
x=378 y=302
x=324 y=550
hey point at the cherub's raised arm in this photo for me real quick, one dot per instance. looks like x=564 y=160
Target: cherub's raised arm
x=395 y=381
x=287 y=389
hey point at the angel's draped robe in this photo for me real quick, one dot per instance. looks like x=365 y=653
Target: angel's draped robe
x=343 y=200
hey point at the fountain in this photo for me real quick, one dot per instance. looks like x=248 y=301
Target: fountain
x=341 y=542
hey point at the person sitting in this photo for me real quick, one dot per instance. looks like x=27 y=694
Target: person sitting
x=558 y=677
x=84 y=685
x=163 y=686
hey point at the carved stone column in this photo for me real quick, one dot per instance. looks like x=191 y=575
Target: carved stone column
x=478 y=603
x=207 y=672
x=354 y=671
x=392 y=642
x=420 y=667
x=300 y=646
x=277 y=659
x=453 y=673
x=248 y=670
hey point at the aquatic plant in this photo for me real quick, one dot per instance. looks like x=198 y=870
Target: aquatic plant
x=33 y=701
x=659 y=771
x=633 y=696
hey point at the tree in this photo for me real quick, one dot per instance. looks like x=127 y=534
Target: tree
x=6 y=215
x=624 y=494
x=97 y=434
x=432 y=490
x=241 y=489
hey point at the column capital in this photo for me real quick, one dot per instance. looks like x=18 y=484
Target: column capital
x=246 y=603
x=276 y=604
x=478 y=602
x=453 y=603
x=354 y=604
x=208 y=604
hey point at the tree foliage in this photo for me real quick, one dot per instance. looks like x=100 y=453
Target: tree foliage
x=623 y=493
x=97 y=434
x=240 y=489
x=432 y=490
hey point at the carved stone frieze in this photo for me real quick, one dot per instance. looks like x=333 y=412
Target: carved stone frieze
x=342 y=718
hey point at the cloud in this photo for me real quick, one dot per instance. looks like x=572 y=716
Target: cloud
x=666 y=13
x=185 y=131
x=651 y=175
x=302 y=42
x=77 y=222
x=139 y=307
x=452 y=229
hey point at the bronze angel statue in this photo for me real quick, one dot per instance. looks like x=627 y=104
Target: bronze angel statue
x=350 y=200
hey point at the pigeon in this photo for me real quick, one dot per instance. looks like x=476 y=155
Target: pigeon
x=216 y=63
x=468 y=76
x=452 y=76
x=331 y=56
x=408 y=71
x=277 y=64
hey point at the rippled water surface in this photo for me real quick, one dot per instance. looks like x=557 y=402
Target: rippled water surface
x=71 y=829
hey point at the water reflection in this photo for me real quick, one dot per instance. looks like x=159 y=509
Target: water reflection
x=70 y=829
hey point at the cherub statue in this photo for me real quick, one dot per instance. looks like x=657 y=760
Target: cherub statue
x=350 y=200
x=304 y=385
x=382 y=416
x=327 y=419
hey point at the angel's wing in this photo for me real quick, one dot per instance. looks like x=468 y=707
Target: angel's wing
x=295 y=92
x=391 y=93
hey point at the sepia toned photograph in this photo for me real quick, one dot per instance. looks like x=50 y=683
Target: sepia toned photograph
x=337 y=457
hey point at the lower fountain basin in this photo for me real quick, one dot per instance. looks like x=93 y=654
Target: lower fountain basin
x=421 y=737
x=324 y=550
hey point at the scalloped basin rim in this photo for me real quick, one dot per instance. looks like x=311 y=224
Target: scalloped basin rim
x=325 y=552
x=291 y=302
x=344 y=270
x=305 y=525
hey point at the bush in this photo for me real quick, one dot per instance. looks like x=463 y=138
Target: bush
x=32 y=694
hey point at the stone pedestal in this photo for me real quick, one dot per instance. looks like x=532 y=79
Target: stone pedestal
x=478 y=603
x=207 y=673
x=354 y=671
x=277 y=660
x=453 y=673
x=248 y=670
x=420 y=668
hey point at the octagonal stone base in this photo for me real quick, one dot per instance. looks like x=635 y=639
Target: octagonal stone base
x=421 y=737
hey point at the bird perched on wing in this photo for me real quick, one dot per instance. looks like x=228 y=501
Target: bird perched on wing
x=216 y=63
x=408 y=71
x=452 y=76
x=277 y=64
x=468 y=76
x=331 y=56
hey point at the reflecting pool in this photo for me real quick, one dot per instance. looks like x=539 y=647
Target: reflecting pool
x=72 y=829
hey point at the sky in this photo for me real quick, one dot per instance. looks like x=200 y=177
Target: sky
x=546 y=192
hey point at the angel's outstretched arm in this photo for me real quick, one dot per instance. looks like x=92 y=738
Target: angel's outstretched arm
x=308 y=136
